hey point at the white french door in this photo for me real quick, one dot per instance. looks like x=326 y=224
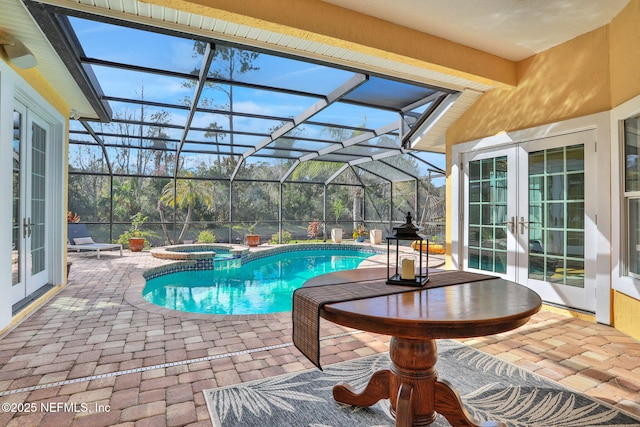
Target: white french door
x=29 y=257
x=526 y=216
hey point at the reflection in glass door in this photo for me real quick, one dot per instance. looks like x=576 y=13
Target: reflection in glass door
x=36 y=227
x=487 y=206
x=490 y=195
x=556 y=215
x=16 y=247
x=29 y=261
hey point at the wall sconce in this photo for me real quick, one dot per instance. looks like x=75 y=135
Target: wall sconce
x=17 y=52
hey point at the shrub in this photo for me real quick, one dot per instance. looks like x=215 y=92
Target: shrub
x=72 y=217
x=206 y=236
x=286 y=238
x=313 y=230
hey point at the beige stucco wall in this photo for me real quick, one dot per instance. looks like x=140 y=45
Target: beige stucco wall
x=589 y=74
x=564 y=82
x=625 y=84
x=624 y=61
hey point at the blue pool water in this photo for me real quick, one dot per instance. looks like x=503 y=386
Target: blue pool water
x=260 y=286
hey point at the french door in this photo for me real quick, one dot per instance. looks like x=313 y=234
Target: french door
x=29 y=257
x=525 y=216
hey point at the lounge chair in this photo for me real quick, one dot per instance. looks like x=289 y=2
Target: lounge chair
x=79 y=239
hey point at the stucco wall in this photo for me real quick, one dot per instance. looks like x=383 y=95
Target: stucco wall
x=625 y=84
x=567 y=81
x=624 y=38
x=589 y=74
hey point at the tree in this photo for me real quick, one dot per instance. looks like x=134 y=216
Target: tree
x=188 y=193
x=228 y=62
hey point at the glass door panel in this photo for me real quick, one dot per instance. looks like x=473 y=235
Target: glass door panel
x=29 y=257
x=38 y=205
x=489 y=242
x=554 y=178
x=488 y=214
x=556 y=215
x=525 y=217
x=17 y=259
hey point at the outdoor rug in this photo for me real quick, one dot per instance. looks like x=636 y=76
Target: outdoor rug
x=491 y=389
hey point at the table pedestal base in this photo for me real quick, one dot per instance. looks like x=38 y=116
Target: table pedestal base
x=411 y=383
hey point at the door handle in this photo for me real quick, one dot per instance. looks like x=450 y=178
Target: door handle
x=26 y=227
x=511 y=225
x=522 y=224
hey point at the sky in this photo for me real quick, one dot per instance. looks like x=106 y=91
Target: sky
x=154 y=50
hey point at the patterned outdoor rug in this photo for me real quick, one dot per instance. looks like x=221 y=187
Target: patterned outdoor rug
x=490 y=388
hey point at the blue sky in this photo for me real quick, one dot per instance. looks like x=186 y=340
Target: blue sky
x=146 y=49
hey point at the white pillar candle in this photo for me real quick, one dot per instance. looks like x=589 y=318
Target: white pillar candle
x=408 y=269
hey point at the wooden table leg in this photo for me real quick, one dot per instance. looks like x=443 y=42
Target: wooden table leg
x=449 y=404
x=411 y=383
x=413 y=369
x=377 y=389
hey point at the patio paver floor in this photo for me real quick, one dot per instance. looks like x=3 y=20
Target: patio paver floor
x=96 y=355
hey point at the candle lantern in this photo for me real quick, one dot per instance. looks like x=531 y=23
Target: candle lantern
x=402 y=271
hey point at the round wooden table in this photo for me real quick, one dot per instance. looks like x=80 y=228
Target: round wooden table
x=414 y=320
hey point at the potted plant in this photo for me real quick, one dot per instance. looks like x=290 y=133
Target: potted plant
x=253 y=239
x=134 y=236
x=359 y=233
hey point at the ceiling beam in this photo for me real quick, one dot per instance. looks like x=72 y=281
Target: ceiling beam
x=209 y=53
x=100 y=143
x=365 y=136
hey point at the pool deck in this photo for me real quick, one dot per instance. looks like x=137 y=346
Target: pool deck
x=92 y=342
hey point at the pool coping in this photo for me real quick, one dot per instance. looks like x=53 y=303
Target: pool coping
x=205 y=251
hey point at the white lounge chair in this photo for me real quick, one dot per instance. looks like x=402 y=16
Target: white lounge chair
x=80 y=240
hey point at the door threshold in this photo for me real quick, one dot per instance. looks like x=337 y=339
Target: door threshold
x=25 y=302
x=569 y=311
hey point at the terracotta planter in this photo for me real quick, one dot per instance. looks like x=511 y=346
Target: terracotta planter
x=253 y=239
x=136 y=244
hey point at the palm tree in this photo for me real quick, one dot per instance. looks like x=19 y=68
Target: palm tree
x=188 y=193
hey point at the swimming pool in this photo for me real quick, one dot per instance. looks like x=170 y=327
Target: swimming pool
x=258 y=286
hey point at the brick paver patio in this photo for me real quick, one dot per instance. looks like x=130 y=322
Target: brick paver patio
x=96 y=354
